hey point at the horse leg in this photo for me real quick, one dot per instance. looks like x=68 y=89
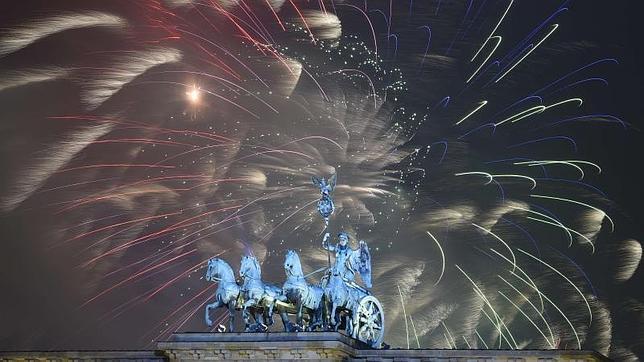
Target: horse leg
x=246 y=314
x=260 y=326
x=317 y=318
x=231 y=316
x=270 y=313
x=314 y=320
x=321 y=314
x=213 y=305
x=326 y=322
x=298 y=318
x=332 y=323
x=285 y=321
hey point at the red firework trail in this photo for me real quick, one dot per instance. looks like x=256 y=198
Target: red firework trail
x=139 y=182
x=204 y=290
x=220 y=64
x=248 y=69
x=158 y=256
x=217 y=181
x=142 y=125
x=92 y=221
x=249 y=145
x=110 y=165
x=153 y=291
x=259 y=27
x=139 y=273
x=279 y=21
x=267 y=152
x=190 y=314
x=245 y=34
x=119 y=310
x=230 y=85
x=120 y=224
x=201 y=237
x=147 y=141
x=286 y=218
x=168 y=283
x=191 y=151
x=76 y=184
x=303 y=20
x=115 y=195
x=229 y=16
x=107 y=238
x=94 y=197
x=212 y=93
x=152 y=235
x=160 y=251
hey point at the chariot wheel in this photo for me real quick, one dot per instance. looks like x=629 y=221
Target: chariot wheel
x=369 y=322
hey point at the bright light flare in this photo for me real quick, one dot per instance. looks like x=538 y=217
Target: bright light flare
x=193 y=94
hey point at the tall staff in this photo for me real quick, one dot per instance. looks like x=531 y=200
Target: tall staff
x=325 y=205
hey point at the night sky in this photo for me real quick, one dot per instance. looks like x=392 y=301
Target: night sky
x=138 y=139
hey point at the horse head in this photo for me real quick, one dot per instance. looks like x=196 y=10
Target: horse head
x=249 y=267
x=211 y=270
x=292 y=264
x=219 y=269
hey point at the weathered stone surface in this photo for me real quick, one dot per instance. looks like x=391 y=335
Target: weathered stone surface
x=312 y=346
x=142 y=356
x=331 y=346
x=260 y=346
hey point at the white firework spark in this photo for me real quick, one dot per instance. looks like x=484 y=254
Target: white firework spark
x=21 y=36
x=125 y=69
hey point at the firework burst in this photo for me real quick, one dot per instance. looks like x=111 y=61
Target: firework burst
x=174 y=131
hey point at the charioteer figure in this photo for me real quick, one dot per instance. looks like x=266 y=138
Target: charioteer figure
x=348 y=261
x=349 y=302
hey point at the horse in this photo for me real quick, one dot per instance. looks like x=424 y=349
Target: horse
x=258 y=295
x=299 y=292
x=227 y=292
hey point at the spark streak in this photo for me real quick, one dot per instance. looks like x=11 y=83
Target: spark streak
x=442 y=258
x=493 y=30
x=552 y=30
x=590 y=312
x=556 y=307
x=610 y=220
x=481 y=105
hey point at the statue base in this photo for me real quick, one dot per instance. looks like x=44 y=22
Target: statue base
x=334 y=346
x=312 y=346
x=319 y=346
